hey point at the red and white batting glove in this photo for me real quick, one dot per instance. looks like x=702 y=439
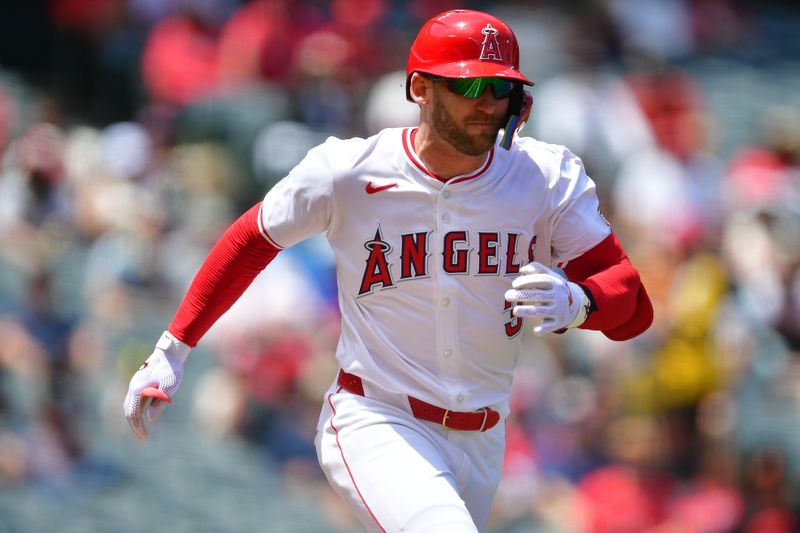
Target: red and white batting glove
x=553 y=302
x=155 y=382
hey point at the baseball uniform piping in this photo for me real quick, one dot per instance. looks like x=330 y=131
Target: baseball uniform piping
x=347 y=466
x=263 y=231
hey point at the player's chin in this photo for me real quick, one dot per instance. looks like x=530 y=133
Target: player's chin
x=477 y=146
x=487 y=139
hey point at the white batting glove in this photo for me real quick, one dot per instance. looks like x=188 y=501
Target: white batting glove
x=156 y=382
x=550 y=300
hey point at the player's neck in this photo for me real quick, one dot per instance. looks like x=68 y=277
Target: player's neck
x=441 y=158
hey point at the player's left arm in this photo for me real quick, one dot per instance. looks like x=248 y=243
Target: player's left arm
x=619 y=304
x=602 y=290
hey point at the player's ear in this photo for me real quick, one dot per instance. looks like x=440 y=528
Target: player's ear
x=420 y=87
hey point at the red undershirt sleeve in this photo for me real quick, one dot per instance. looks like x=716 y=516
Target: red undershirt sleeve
x=232 y=264
x=621 y=307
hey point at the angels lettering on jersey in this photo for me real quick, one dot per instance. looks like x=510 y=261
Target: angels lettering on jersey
x=495 y=254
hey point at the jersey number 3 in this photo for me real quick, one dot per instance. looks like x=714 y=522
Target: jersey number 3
x=514 y=325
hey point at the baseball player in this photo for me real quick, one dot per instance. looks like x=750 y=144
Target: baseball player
x=451 y=238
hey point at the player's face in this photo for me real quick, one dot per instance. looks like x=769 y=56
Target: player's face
x=469 y=124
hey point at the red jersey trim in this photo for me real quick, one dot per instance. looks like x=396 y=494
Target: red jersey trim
x=263 y=231
x=347 y=466
x=408 y=146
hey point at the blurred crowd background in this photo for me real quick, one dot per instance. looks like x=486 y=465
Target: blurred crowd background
x=132 y=132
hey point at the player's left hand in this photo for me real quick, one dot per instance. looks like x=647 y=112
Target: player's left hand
x=553 y=302
x=155 y=383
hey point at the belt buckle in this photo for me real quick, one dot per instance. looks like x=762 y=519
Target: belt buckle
x=483 y=423
x=444 y=419
x=485 y=418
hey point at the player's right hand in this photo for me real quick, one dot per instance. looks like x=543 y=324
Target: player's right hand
x=154 y=384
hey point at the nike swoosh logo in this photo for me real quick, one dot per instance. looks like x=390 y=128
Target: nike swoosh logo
x=372 y=188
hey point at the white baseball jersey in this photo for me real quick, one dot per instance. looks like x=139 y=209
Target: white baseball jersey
x=423 y=264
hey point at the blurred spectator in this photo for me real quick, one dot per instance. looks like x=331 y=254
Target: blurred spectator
x=671 y=101
x=95 y=59
x=767 y=172
x=711 y=501
x=765 y=276
x=37 y=157
x=669 y=192
x=630 y=493
x=36 y=352
x=127 y=150
x=386 y=105
x=654 y=27
x=259 y=41
x=338 y=61
x=767 y=491
x=586 y=106
x=34 y=200
x=719 y=24
x=179 y=62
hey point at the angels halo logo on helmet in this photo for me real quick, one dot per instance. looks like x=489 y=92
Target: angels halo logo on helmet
x=463 y=43
x=490 y=49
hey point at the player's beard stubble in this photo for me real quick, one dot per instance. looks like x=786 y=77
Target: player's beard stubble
x=448 y=129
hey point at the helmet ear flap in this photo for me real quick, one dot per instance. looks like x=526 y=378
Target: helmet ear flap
x=515 y=101
x=519 y=109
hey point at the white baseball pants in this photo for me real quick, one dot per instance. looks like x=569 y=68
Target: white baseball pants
x=400 y=474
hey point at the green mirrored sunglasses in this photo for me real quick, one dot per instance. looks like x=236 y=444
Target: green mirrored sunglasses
x=474 y=87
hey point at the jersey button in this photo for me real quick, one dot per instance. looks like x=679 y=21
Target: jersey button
x=446 y=218
x=460 y=398
x=445 y=301
x=446 y=194
x=447 y=353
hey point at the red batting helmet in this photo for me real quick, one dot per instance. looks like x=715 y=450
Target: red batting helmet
x=465 y=44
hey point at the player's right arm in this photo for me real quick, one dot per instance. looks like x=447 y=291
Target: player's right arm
x=235 y=260
x=296 y=208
